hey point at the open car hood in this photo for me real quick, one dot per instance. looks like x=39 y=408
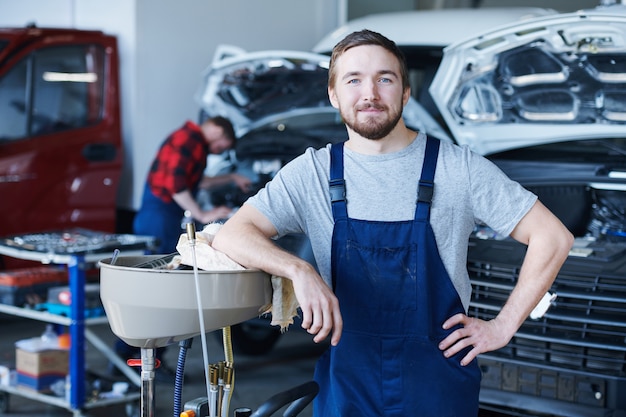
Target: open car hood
x=550 y=79
x=251 y=89
x=280 y=90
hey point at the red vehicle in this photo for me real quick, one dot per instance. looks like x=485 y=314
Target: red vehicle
x=60 y=134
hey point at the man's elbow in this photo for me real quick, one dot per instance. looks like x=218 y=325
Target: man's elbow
x=220 y=240
x=564 y=241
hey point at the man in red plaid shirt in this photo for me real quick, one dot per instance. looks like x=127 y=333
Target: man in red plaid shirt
x=175 y=176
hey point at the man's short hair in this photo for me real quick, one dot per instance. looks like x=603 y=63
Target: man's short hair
x=367 y=37
x=226 y=125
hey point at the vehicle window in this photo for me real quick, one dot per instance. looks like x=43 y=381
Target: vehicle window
x=64 y=80
x=422 y=63
x=52 y=90
x=13 y=103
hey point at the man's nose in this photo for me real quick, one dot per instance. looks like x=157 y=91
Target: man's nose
x=370 y=91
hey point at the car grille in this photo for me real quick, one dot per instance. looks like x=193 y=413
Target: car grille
x=581 y=341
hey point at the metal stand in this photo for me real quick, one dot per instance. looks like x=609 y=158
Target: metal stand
x=148 y=367
x=89 y=248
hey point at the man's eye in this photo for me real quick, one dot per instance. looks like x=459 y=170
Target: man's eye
x=385 y=80
x=353 y=81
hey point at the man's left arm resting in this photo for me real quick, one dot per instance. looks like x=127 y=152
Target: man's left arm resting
x=548 y=242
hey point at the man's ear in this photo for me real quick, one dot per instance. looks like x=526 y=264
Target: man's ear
x=333 y=97
x=406 y=95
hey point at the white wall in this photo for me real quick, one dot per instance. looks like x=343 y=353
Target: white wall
x=19 y=13
x=360 y=8
x=165 y=47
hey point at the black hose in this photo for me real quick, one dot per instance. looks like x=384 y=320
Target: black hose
x=297 y=398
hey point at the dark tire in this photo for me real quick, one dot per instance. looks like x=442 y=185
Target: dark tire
x=4 y=402
x=254 y=337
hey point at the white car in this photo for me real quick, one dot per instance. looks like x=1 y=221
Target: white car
x=545 y=99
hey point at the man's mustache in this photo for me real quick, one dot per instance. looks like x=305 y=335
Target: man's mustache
x=367 y=106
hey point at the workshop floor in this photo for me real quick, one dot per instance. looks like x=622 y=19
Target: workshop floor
x=289 y=364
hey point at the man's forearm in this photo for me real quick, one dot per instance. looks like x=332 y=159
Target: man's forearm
x=185 y=200
x=250 y=246
x=208 y=182
x=544 y=257
x=246 y=239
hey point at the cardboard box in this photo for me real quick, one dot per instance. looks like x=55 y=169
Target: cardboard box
x=38 y=370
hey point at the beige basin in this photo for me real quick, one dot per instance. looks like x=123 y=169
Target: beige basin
x=151 y=308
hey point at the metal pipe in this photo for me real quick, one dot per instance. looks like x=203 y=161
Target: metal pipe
x=148 y=366
x=191 y=238
x=230 y=361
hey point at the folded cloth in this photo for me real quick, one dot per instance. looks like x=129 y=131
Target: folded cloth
x=207 y=258
x=284 y=305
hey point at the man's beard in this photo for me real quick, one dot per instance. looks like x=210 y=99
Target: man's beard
x=372 y=129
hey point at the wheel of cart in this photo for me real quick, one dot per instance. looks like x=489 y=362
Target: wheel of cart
x=4 y=402
x=132 y=409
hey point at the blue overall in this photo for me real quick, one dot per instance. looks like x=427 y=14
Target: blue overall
x=159 y=219
x=394 y=294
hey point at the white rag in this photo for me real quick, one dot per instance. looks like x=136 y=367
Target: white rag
x=284 y=305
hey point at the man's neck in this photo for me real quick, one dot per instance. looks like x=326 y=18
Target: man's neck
x=398 y=139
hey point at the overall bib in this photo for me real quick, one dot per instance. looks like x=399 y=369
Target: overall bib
x=394 y=294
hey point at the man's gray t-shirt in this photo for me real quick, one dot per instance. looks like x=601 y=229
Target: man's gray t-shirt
x=468 y=190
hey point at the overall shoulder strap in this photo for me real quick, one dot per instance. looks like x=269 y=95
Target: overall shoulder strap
x=426 y=186
x=337 y=185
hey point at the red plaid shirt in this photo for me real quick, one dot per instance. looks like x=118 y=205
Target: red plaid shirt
x=180 y=162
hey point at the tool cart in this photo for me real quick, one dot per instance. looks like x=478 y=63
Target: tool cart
x=78 y=250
